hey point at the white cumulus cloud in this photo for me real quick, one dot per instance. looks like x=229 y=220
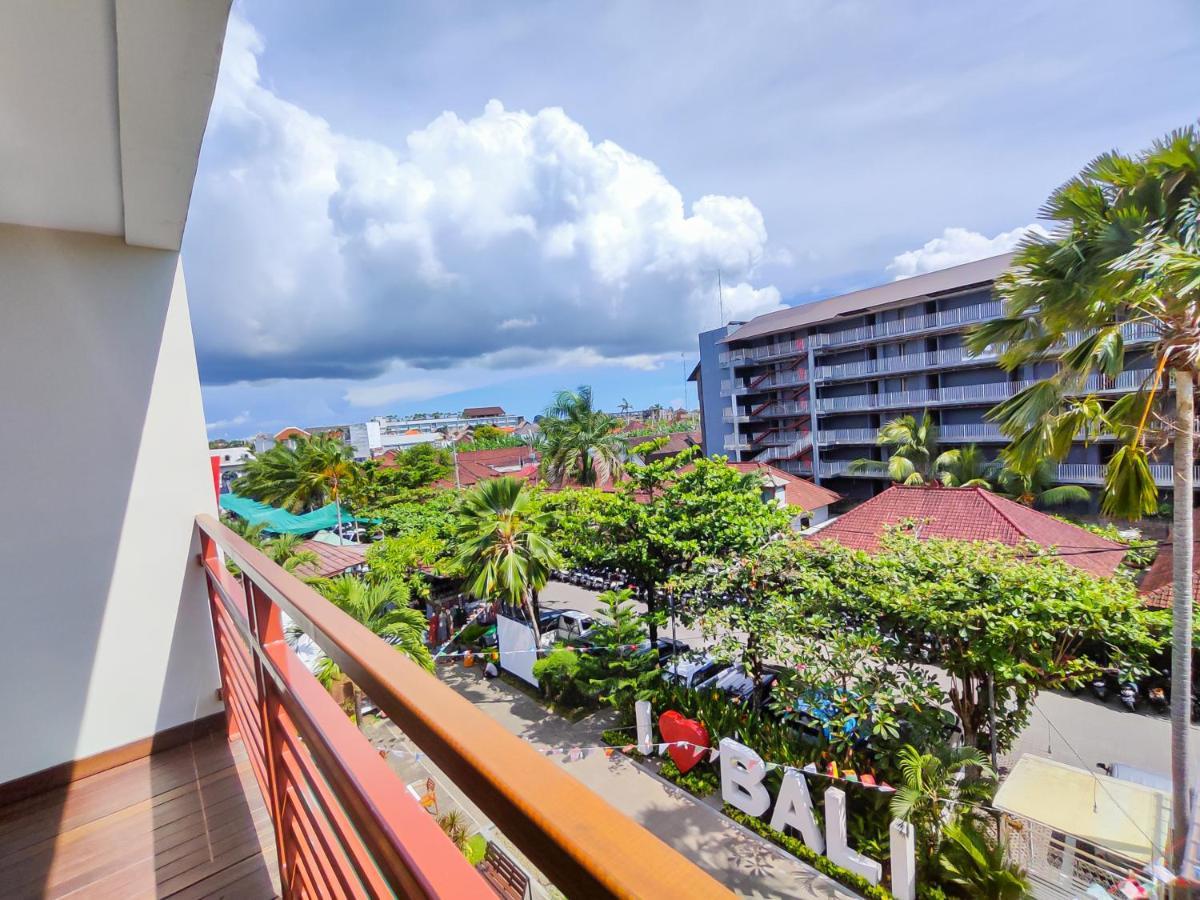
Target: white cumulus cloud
x=486 y=241
x=957 y=246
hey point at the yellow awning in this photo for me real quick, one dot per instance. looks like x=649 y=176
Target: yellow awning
x=1128 y=818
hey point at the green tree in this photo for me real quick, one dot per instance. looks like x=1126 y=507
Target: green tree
x=673 y=512
x=503 y=549
x=580 y=443
x=930 y=779
x=1037 y=487
x=285 y=550
x=1125 y=251
x=976 y=865
x=916 y=457
x=966 y=467
x=1016 y=614
x=489 y=437
x=319 y=469
x=383 y=608
x=615 y=671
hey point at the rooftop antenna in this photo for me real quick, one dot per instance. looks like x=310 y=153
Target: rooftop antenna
x=720 y=300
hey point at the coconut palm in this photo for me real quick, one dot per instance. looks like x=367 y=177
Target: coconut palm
x=299 y=479
x=916 y=459
x=1037 y=488
x=1125 y=251
x=284 y=550
x=383 y=608
x=580 y=442
x=966 y=467
x=504 y=552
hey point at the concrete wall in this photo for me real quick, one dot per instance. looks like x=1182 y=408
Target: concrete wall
x=107 y=636
x=712 y=403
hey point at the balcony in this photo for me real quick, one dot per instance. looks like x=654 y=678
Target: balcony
x=732 y=386
x=730 y=415
x=783 y=409
x=972 y=394
x=947 y=319
x=954 y=357
x=284 y=795
x=909 y=362
x=776 y=350
x=736 y=442
x=1093 y=473
x=788 y=451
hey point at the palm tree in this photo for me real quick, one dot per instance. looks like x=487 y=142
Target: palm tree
x=284 y=550
x=961 y=773
x=580 y=441
x=625 y=406
x=916 y=459
x=383 y=608
x=504 y=552
x=1038 y=487
x=317 y=470
x=966 y=467
x=1125 y=253
x=978 y=865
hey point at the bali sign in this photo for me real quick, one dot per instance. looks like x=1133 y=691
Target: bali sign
x=742 y=775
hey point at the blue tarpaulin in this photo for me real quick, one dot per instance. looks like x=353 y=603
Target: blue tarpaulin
x=280 y=521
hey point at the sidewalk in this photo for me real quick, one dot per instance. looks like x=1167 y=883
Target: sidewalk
x=743 y=862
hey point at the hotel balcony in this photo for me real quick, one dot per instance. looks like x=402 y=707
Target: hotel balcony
x=769 y=381
x=947 y=434
x=764 y=353
x=947 y=320
x=161 y=735
x=972 y=394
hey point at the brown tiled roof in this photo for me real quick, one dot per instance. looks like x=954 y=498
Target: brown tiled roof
x=1157 y=586
x=797 y=491
x=928 y=284
x=480 y=465
x=480 y=412
x=970 y=514
x=333 y=560
x=290 y=432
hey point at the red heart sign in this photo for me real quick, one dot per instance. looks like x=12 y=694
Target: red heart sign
x=674 y=727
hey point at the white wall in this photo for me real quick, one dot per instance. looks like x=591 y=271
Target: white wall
x=104 y=617
x=514 y=640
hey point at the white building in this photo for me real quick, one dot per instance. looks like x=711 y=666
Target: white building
x=232 y=462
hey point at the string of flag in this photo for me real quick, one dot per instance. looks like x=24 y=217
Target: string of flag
x=577 y=753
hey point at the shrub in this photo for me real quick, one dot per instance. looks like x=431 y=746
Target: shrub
x=801 y=851
x=558 y=674
x=701 y=780
x=471 y=635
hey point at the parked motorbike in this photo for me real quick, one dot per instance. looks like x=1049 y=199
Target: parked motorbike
x=1099 y=687
x=1157 y=695
x=1130 y=696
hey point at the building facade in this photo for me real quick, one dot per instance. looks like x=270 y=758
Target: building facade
x=807 y=388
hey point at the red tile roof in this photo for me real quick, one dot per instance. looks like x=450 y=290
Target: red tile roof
x=970 y=514
x=333 y=560
x=290 y=432
x=480 y=465
x=1157 y=586
x=797 y=491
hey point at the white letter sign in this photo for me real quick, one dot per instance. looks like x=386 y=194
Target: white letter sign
x=904 y=866
x=645 y=738
x=794 y=807
x=835 y=836
x=742 y=772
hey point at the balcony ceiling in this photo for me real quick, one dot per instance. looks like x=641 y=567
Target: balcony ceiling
x=103 y=105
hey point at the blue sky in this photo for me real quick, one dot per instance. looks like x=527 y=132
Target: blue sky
x=427 y=206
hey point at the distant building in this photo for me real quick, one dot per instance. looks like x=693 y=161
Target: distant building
x=474 y=466
x=233 y=462
x=969 y=514
x=676 y=443
x=806 y=388
x=1157 y=587
x=793 y=491
x=388 y=432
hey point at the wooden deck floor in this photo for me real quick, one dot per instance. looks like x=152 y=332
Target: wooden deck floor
x=188 y=823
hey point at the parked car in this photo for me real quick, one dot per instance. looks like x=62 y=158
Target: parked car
x=691 y=669
x=572 y=627
x=734 y=681
x=667 y=648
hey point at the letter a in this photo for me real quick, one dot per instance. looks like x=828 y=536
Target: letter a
x=794 y=807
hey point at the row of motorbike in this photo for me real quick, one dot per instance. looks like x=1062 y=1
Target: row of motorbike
x=1128 y=692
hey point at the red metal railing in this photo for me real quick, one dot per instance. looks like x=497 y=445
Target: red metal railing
x=345 y=825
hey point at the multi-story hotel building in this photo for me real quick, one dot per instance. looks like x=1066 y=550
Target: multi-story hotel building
x=806 y=388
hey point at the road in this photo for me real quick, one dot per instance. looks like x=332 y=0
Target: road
x=1076 y=730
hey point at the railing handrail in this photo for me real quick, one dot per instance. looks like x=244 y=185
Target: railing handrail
x=571 y=834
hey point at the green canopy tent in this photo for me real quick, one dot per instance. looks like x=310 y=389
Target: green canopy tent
x=280 y=521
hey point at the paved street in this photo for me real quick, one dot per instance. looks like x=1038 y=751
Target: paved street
x=745 y=863
x=1097 y=732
